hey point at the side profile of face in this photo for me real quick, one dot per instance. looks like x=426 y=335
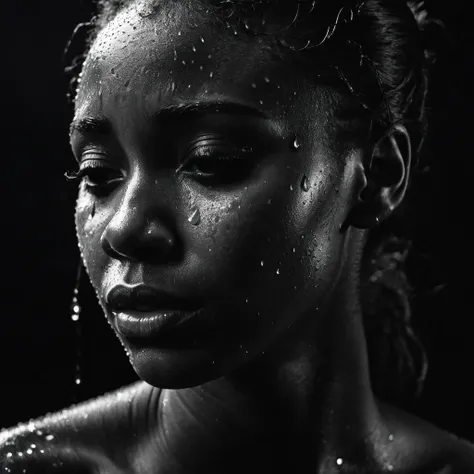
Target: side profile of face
x=211 y=175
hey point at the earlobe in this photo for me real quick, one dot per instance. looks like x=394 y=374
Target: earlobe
x=387 y=176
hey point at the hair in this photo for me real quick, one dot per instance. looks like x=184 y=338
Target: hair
x=375 y=51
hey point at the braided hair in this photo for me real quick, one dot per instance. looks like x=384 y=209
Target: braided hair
x=375 y=51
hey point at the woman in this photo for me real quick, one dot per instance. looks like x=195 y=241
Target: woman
x=234 y=158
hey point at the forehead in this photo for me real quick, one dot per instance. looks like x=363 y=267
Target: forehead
x=182 y=49
x=141 y=62
x=177 y=39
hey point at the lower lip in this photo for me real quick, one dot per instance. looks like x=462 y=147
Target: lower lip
x=151 y=324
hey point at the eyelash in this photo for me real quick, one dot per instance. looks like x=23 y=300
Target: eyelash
x=210 y=155
x=207 y=155
x=86 y=173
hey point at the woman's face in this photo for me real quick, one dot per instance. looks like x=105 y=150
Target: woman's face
x=244 y=239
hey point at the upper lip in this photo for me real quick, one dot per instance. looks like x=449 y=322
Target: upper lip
x=145 y=298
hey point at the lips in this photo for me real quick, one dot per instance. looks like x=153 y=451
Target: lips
x=143 y=298
x=143 y=313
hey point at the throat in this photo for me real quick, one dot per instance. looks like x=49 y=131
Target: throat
x=207 y=427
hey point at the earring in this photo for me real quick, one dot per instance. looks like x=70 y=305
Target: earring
x=75 y=313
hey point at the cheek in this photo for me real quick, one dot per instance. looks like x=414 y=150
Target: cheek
x=89 y=227
x=273 y=241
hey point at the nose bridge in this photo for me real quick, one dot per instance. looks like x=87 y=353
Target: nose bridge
x=135 y=206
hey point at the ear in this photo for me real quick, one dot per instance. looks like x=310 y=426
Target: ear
x=387 y=176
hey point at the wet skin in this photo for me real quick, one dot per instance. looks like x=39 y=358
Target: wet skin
x=248 y=230
x=265 y=251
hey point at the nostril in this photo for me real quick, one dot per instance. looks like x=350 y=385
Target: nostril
x=108 y=248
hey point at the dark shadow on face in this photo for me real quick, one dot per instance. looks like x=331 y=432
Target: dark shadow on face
x=210 y=175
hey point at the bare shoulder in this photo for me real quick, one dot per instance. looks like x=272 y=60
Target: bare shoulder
x=92 y=436
x=426 y=448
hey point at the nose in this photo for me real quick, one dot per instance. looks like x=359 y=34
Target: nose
x=142 y=228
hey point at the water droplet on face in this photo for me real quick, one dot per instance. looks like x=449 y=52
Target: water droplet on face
x=195 y=217
x=296 y=144
x=305 y=185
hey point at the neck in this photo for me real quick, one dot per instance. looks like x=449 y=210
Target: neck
x=312 y=399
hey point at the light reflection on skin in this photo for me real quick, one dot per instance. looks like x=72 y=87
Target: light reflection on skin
x=274 y=326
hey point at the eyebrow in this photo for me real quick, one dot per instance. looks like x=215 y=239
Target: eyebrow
x=91 y=125
x=102 y=126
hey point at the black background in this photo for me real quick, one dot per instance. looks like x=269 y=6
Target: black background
x=39 y=256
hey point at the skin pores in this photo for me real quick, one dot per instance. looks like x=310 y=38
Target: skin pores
x=249 y=228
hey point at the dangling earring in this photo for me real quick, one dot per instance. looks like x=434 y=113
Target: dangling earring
x=75 y=313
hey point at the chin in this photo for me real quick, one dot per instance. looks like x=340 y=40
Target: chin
x=173 y=368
